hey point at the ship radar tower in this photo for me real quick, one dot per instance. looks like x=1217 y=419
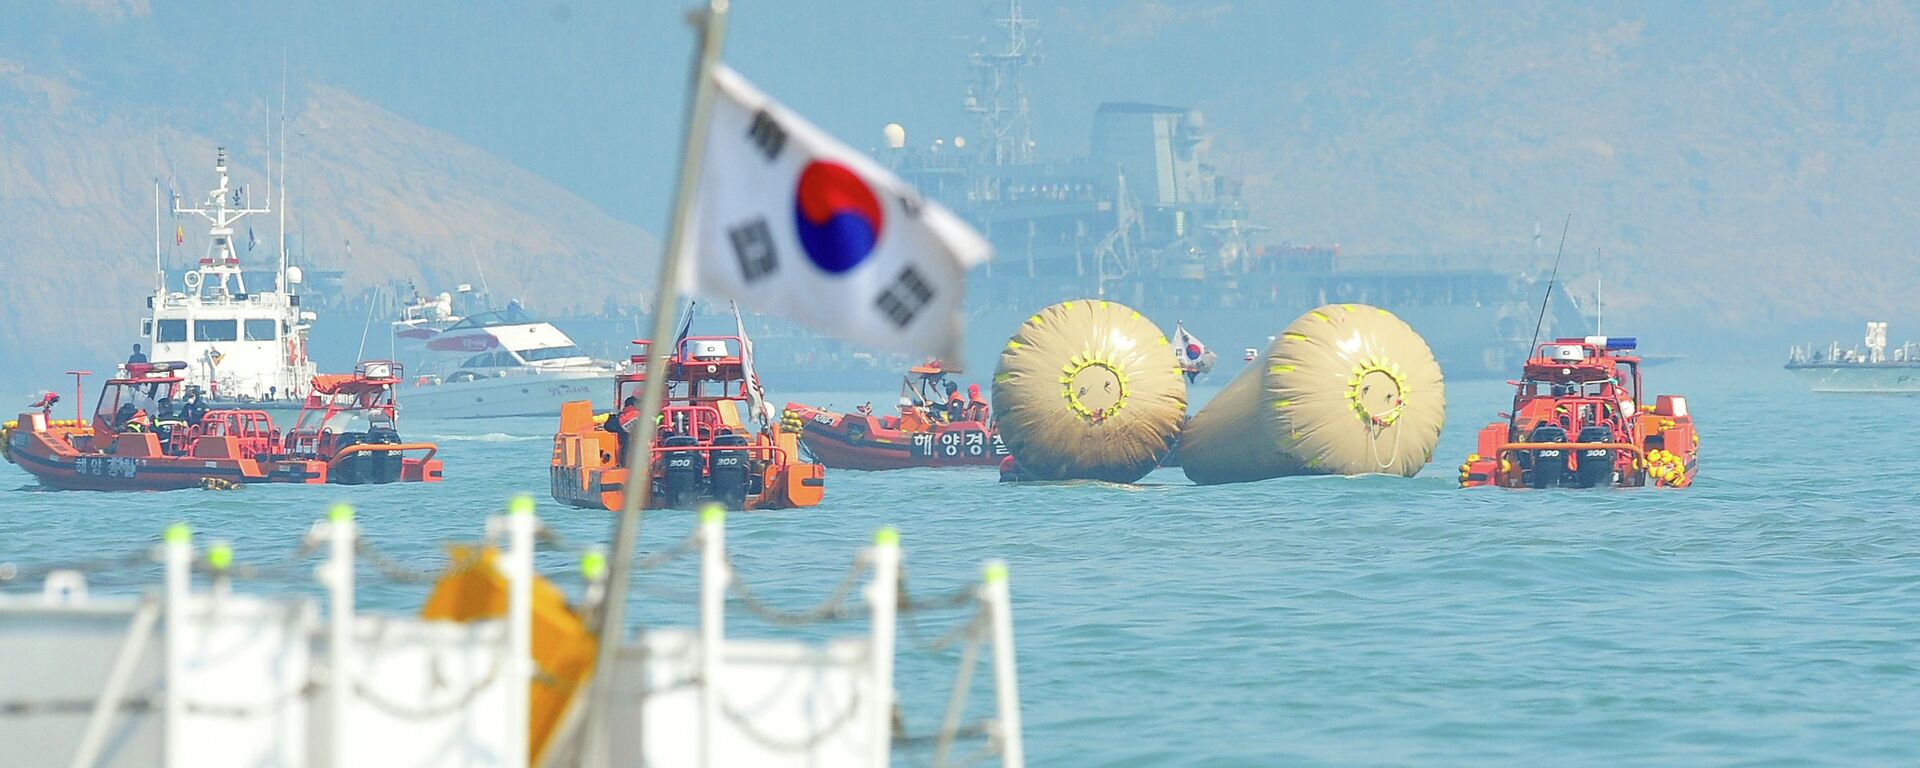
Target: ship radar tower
x=219 y=275
x=998 y=98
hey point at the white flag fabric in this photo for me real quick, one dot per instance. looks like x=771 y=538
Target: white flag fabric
x=788 y=221
x=756 y=396
x=1192 y=355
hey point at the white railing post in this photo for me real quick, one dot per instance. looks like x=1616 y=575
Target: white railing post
x=1006 y=685
x=593 y=571
x=714 y=577
x=340 y=667
x=519 y=663
x=179 y=585
x=883 y=599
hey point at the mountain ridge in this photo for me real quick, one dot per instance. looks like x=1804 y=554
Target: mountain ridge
x=77 y=206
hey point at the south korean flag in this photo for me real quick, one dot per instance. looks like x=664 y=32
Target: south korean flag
x=786 y=220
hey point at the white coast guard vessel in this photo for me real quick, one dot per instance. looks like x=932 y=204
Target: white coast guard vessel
x=242 y=347
x=1874 y=370
x=491 y=364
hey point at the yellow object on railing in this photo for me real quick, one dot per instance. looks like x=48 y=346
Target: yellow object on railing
x=563 y=649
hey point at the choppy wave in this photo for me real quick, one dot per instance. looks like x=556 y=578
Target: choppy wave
x=490 y=437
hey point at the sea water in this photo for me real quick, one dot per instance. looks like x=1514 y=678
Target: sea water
x=1768 y=615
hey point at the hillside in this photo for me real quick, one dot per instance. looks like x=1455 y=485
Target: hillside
x=76 y=212
x=1747 y=170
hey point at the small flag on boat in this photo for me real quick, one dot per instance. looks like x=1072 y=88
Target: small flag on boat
x=756 y=396
x=789 y=221
x=686 y=326
x=1194 y=357
x=179 y=235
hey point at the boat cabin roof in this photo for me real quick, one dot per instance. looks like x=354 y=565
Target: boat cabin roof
x=161 y=372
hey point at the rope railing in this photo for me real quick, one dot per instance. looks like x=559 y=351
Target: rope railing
x=145 y=556
x=244 y=711
x=808 y=743
x=465 y=699
x=834 y=608
x=943 y=645
x=50 y=707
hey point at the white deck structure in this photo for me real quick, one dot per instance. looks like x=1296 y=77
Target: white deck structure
x=210 y=677
x=239 y=344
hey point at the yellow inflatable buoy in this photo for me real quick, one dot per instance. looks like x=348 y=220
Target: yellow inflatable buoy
x=1346 y=389
x=1088 y=390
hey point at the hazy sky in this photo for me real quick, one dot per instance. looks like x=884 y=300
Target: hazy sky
x=1689 y=140
x=590 y=94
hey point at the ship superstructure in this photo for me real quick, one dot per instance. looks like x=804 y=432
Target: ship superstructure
x=1146 y=219
x=239 y=343
x=1871 y=369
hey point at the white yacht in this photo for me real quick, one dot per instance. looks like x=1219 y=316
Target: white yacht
x=242 y=347
x=492 y=364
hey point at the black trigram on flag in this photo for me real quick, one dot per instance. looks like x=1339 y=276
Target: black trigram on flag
x=753 y=247
x=766 y=134
x=908 y=294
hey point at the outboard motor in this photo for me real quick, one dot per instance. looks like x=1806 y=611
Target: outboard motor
x=367 y=467
x=383 y=466
x=1594 y=466
x=1545 y=467
x=353 y=470
x=727 y=478
x=680 y=474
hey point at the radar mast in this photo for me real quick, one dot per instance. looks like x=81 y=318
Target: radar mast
x=219 y=273
x=998 y=98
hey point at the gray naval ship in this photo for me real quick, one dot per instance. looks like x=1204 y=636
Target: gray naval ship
x=1873 y=370
x=1145 y=220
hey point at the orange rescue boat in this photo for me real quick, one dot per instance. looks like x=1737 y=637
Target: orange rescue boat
x=137 y=440
x=936 y=427
x=703 y=446
x=1579 y=421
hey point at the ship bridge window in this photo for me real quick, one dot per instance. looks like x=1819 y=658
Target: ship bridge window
x=216 y=330
x=171 y=330
x=551 y=353
x=260 y=330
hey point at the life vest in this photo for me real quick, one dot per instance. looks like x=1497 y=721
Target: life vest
x=628 y=416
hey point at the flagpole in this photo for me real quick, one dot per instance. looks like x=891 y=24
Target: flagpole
x=639 y=486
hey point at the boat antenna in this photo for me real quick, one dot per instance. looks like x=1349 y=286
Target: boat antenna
x=282 y=185
x=159 y=267
x=475 y=256
x=373 y=303
x=1550 y=280
x=1599 y=283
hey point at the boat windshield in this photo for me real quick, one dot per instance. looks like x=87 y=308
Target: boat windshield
x=1546 y=388
x=551 y=353
x=512 y=315
x=119 y=401
x=354 y=415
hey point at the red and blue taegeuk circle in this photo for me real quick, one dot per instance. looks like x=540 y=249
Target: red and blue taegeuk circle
x=1193 y=351
x=836 y=215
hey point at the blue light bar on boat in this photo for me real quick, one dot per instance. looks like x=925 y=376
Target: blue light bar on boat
x=1613 y=343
